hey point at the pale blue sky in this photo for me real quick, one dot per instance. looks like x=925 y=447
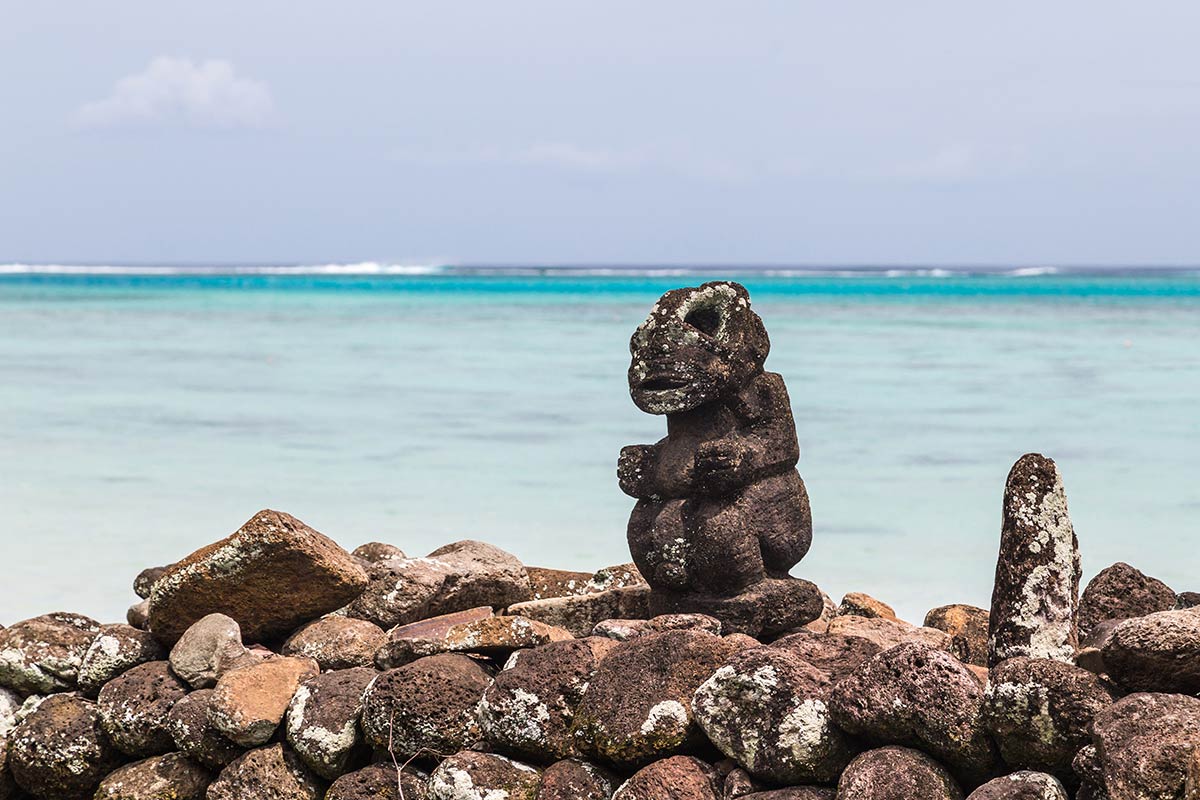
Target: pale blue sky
x=795 y=132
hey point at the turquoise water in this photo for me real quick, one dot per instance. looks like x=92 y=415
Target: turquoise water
x=145 y=415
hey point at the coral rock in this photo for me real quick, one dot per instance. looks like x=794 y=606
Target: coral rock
x=483 y=776
x=337 y=642
x=1121 y=592
x=322 y=719
x=268 y=773
x=249 y=702
x=42 y=655
x=134 y=707
x=896 y=773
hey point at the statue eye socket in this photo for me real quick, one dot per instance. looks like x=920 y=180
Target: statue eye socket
x=705 y=320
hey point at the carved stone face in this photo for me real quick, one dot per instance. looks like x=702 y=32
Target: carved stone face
x=697 y=344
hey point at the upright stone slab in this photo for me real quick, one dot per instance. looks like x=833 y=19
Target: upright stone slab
x=1036 y=593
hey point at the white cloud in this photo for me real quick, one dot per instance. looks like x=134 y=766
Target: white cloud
x=179 y=90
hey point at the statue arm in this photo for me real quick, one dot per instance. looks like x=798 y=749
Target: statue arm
x=636 y=469
x=764 y=445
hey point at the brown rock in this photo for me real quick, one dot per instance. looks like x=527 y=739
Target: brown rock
x=249 y=702
x=483 y=776
x=915 y=695
x=1023 y=785
x=377 y=551
x=426 y=706
x=768 y=608
x=545 y=582
x=968 y=629
x=143 y=584
x=322 y=719
x=573 y=779
x=8 y=787
x=407 y=643
x=528 y=710
x=273 y=574
x=581 y=613
x=794 y=793
x=194 y=734
x=616 y=577
x=399 y=591
x=859 y=604
x=1187 y=600
x=834 y=654
x=1159 y=652
x=378 y=782
x=1122 y=592
x=1144 y=744
x=42 y=655
x=169 y=777
x=210 y=647
x=1036 y=592
x=268 y=773
x=133 y=709
x=625 y=629
x=60 y=751
x=116 y=649
x=337 y=642
x=888 y=633
x=496 y=637
x=138 y=615
x=896 y=773
x=480 y=575
x=675 y=778
x=638 y=705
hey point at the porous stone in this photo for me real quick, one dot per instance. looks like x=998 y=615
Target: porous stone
x=1039 y=711
x=406 y=643
x=528 y=709
x=722 y=515
x=1090 y=654
x=399 y=591
x=480 y=575
x=8 y=787
x=860 y=604
x=426 y=706
x=267 y=773
x=626 y=629
x=143 y=584
x=377 y=551
x=1023 y=785
x=915 y=695
x=896 y=773
x=1144 y=744
x=42 y=655
x=138 y=615
x=60 y=751
x=888 y=633
x=794 y=793
x=116 y=649
x=322 y=719
x=968 y=630
x=834 y=654
x=378 y=782
x=134 y=706
x=1122 y=592
x=544 y=582
x=1159 y=652
x=249 y=702
x=581 y=613
x=483 y=776
x=1187 y=600
x=737 y=782
x=496 y=637
x=10 y=703
x=194 y=734
x=272 y=575
x=638 y=707
x=337 y=642
x=210 y=647
x=1036 y=593
x=618 y=576
x=575 y=779
x=677 y=778
x=166 y=777
x=767 y=710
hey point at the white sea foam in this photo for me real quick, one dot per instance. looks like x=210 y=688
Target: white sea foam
x=359 y=268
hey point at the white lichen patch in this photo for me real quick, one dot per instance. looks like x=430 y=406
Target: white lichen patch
x=669 y=716
x=1023 y=706
x=518 y=719
x=805 y=732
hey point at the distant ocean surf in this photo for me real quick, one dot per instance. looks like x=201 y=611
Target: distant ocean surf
x=147 y=410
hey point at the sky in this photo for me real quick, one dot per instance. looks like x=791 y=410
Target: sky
x=600 y=132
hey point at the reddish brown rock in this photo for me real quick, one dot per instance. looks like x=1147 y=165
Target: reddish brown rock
x=1156 y=653
x=528 y=710
x=249 y=702
x=428 y=705
x=888 y=633
x=1036 y=593
x=1144 y=745
x=766 y=709
x=834 y=654
x=859 y=604
x=675 y=778
x=638 y=706
x=573 y=779
x=1122 y=592
x=916 y=695
x=483 y=776
x=968 y=630
x=545 y=582
x=581 y=613
x=626 y=629
x=337 y=642
x=168 y=777
x=480 y=574
x=273 y=574
x=896 y=773
x=407 y=643
x=794 y=793
x=322 y=719
x=372 y=552
x=268 y=773
x=378 y=782
x=496 y=637
x=134 y=706
x=116 y=649
x=1024 y=785
x=42 y=655
x=60 y=751
x=194 y=734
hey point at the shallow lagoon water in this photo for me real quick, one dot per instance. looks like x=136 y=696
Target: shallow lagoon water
x=146 y=415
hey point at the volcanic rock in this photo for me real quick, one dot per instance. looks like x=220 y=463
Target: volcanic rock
x=143 y=584
x=138 y=615
x=268 y=773
x=496 y=637
x=273 y=574
x=42 y=655
x=573 y=779
x=1121 y=592
x=249 y=702
x=10 y=702
x=116 y=649
x=209 y=648
x=859 y=604
x=322 y=719
x=134 y=706
x=480 y=575
x=888 y=633
x=60 y=751
x=168 y=777
x=677 y=778
x=399 y=591
x=794 y=793
x=406 y=643
x=377 y=551
x=545 y=582
x=483 y=776
x=581 y=613
x=378 y=782
x=896 y=773
x=1023 y=785
x=1144 y=745
x=1159 y=652
x=337 y=642
x=833 y=653
x=625 y=629
x=968 y=629
x=194 y=734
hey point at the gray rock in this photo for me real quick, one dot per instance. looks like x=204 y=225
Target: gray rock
x=194 y=734
x=116 y=649
x=269 y=773
x=168 y=777
x=138 y=615
x=42 y=655
x=1024 y=785
x=211 y=646
x=134 y=706
x=377 y=551
x=1122 y=592
x=399 y=591
x=480 y=575
x=896 y=773
x=1144 y=745
x=337 y=642
x=322 y=719
x=1036 y=592
x=483 y=776
x=60 y=751
x=625 y=629
x=10 y=702
x=581 y=613
x=1156 y=653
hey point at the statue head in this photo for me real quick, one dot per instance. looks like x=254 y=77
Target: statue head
x=697 y=345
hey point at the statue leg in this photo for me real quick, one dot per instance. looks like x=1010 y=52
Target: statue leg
x=782 y=521
x=658 y=544
x=726 y=556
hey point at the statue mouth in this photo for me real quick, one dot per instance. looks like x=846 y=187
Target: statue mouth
x=663 y=383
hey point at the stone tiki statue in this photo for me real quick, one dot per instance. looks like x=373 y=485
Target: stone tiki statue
x=722 y=513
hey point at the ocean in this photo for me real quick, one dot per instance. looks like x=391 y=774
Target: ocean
x=146 y=411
